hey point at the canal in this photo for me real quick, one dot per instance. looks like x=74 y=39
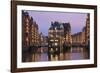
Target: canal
x=41 y=54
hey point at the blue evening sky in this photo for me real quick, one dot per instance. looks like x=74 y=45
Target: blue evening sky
x=43 y=19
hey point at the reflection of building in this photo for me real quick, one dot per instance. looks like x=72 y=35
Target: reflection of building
x=55 y=36
x=25 y=30
x=30 y=35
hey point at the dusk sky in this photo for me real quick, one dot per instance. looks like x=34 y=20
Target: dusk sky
x=43 y=19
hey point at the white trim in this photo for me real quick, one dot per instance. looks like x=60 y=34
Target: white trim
x=54 y=63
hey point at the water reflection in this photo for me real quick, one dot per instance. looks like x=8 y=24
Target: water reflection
x=42 y=54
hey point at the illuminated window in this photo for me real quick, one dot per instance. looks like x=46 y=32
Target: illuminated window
x=55 y=28
x=56 y=44
x=27 y=39
x=27 y=20
x=51 y=40
x=51 y=35
x=57 y=36
x=27 y=24
x=27 y=31
x=27 y=28
x=56 y=40
x=50 y=30
x=51 y=49
x=49 y=45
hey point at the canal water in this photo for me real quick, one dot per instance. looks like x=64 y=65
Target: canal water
x=41 y=54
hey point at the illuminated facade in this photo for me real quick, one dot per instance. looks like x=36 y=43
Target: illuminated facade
x=87 y=29
x=77 y=39
x=83 y=36
x=34 y=41
x=55 y=36
x=30 y=36
x=67 y=33
x=25 y=30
